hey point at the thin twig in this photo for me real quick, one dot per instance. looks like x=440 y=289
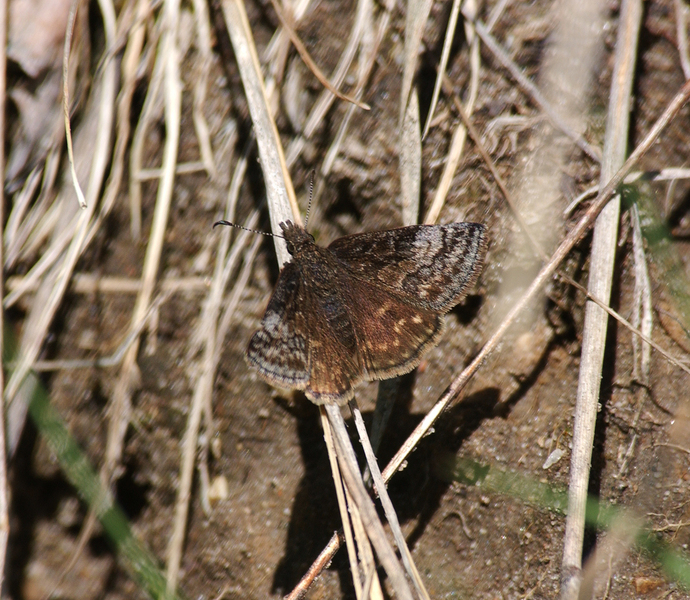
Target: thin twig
x=322 y=561
x=457 y=143
x=309 y=61
x=443 y=63
x=86 y=283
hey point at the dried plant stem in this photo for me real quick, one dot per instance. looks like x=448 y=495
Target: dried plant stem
x=367 y=511
x=360 y=562
x=86 y=283
x=279 y=191
x=602 y=262
x=388 y=509
x=202 y=393
x=443 y=63
x=65 y=100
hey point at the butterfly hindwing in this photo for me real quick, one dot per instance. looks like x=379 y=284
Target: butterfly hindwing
x=393 y=334
x=279 y=349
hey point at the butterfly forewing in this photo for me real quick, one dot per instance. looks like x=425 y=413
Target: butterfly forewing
x=431 y=265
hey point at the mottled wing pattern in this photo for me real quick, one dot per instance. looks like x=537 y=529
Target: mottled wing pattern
x=393 y=334
x=432 y=266
x=279 y=349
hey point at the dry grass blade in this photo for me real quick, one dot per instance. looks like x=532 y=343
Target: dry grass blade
x=443 y=63
x=129 y=68
x=604 y=246
x=86 y=283
x=65 y=101
x=213 y=339
x=121 y=401
x=642 y=317
x=275 y=57
x=279 y=191
x=149 y=113
x=94 y=133
x=4 y=498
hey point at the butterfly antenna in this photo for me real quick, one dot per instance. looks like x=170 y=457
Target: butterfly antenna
x=311 y=195
x=231 y=224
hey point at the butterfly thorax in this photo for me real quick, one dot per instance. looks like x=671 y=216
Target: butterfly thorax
x=297 y=239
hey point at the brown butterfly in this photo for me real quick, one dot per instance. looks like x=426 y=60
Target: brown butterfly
x=366 y=307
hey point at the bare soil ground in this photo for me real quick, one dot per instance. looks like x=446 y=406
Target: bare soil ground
x=279 y=507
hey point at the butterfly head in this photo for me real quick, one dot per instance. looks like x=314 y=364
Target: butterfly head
x=296 y=237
